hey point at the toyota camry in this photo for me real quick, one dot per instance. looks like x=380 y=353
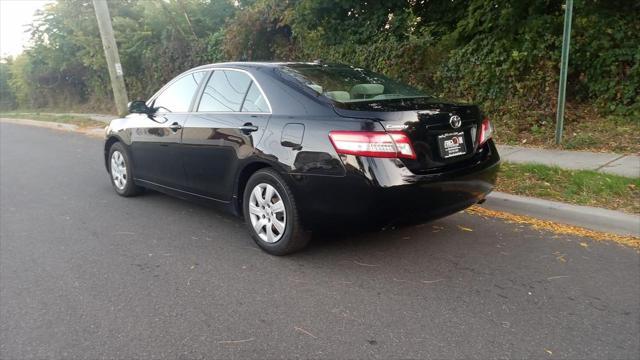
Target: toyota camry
x=298 y=147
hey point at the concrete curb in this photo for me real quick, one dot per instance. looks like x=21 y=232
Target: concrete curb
x=95 y=132
x=588 y=217
x=105 y=118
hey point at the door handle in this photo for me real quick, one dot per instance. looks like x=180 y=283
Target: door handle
x=175 y=126
x=248 y=127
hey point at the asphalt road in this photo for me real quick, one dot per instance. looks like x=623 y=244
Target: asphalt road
x=87 y=274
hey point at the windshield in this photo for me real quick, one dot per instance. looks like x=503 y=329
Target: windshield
x=347 y=84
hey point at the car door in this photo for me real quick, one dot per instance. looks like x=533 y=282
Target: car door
x=228 y=121
x=156 y=138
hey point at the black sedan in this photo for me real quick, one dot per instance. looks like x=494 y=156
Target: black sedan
x=296 y=147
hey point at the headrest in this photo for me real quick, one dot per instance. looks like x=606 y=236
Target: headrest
x=367 y=89
x=316 y=88
x=338 y=95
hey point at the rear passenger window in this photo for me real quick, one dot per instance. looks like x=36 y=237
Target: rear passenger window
x=254 y=102
x=225 y=91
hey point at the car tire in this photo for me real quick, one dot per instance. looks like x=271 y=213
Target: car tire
x=120 y=171
x=274 y=226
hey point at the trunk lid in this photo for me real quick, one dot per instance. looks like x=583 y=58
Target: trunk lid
x=443 y=134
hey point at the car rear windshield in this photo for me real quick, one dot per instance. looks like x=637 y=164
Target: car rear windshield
x=348 y=84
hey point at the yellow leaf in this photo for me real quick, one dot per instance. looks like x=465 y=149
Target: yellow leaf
x=464 y=228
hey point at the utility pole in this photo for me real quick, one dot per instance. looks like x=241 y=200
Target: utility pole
x=564 y=64
x=111 y=53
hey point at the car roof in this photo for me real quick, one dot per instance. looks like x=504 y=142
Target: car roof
x=255 y=64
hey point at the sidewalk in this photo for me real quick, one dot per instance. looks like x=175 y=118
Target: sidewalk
x=617 y=164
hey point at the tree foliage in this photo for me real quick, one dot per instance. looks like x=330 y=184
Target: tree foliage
x=501 y=53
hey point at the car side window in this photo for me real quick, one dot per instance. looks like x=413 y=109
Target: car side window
x=177 y=97
x=225 y=91
x=254 y=101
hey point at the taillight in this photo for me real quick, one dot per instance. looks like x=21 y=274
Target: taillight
x=486 y=131
x=405 y=150
x=373 y=144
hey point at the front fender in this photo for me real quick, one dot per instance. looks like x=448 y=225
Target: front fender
x=115 y=132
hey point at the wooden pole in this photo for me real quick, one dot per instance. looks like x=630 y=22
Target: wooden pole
x=111 y=53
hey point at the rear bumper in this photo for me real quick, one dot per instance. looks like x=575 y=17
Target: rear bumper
x=376 y=192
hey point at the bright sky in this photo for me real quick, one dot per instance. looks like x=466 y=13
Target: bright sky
x=14 y=14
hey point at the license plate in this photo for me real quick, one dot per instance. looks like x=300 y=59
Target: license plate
x=452 y=144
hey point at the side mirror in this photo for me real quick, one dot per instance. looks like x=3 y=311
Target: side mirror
x=139 y=107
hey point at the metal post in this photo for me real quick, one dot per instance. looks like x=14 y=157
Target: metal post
x=111 y=53
x=564 y=63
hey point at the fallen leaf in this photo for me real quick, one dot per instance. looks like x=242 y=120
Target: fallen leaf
x=557 y=228
x=557 y=277
x=304 y=332
x=364 y=264
x=464 y=228
x=235 y=341
x=431 y=281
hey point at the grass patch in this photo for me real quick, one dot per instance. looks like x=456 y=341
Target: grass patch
x=81 y=121
x=581 y=187
x=584 y=129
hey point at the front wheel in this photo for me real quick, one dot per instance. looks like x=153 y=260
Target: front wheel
x=271 y=214
x=120 y=171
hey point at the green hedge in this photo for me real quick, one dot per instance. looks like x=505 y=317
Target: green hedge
x=503 y=54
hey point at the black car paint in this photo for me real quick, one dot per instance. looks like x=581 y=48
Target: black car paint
x=209 y=156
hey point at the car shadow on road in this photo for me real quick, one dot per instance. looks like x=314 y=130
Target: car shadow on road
x=339 y=240
x=438 y=234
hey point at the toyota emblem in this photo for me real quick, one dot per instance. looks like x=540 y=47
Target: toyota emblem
x=455 y=121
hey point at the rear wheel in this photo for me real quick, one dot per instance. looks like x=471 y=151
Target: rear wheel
x=120 y=171
x=271 y=214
